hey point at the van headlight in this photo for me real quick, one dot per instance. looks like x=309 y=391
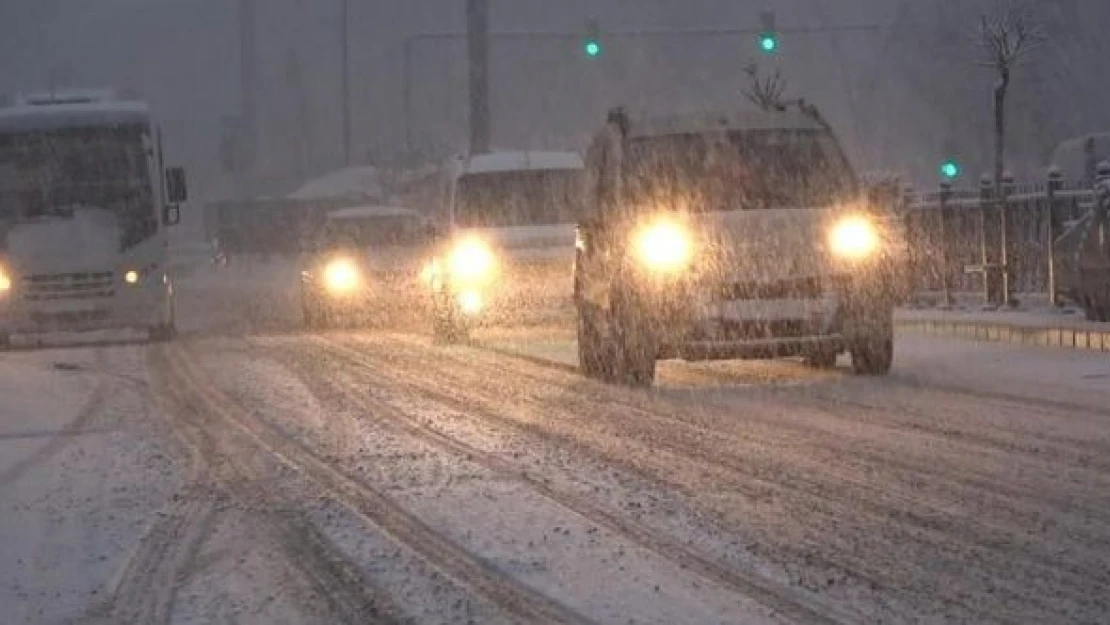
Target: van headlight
x=472 y=260
x=664 y=247
x=341 y=275
x=854 y=238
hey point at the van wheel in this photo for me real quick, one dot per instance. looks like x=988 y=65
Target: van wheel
x=446 y=326
x=595 y=353
x=635 y=345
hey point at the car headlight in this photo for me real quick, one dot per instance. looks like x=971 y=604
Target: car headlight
x=5 y=282
x=664 y=247
x=131 y=277
x=341 y=275
x=854 y=238
x=472 y=260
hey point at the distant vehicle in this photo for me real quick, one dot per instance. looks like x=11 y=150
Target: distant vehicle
x=85 y=203
x=365 y=264
x=508 y=248
x=738 y=235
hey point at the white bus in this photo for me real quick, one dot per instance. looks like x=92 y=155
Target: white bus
x=509 y=244
x=85 y=202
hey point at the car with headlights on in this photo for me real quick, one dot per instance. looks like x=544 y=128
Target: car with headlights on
x=738 y=235
x=364 y=267
x=507 y=253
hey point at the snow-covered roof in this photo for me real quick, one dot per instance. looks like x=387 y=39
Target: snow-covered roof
x=694 y=123
x=84 y=114
x=506 y=161
x=349 y=182
x=372 y=212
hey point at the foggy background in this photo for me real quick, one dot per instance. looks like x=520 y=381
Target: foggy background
x=902 y=98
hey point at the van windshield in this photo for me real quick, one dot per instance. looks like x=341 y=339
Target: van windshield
x=518 y=198
x=746 y=170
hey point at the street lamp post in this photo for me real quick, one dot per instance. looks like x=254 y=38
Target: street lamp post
x=345 y=81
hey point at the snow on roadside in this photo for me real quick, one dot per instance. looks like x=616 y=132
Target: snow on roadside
x=88 y=475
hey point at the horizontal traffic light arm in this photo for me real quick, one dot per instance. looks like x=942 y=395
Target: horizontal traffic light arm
x=634 y=34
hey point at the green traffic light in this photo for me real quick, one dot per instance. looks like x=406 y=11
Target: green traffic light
x=950 y=170
x=593 y=48
x=768 y=43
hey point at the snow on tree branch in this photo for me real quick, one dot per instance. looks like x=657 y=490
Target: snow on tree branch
x=766 y=92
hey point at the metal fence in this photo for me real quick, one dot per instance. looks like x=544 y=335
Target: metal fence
x=956 y=236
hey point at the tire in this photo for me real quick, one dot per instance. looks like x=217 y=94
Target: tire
x=163 y=333
x=873 y=351
x=595 y=357
x=446 y=327
x=821 y=359
x=635 y=343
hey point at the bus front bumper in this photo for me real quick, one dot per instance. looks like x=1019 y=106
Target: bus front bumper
x=131 y=307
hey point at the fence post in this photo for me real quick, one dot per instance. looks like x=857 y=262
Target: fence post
x=945 y=195
x=1004 y=260
x=986 y=193
x=913 y=237
x=1055 y=183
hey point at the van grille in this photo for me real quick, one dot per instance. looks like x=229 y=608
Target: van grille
x=68 y=286
x=797 y=288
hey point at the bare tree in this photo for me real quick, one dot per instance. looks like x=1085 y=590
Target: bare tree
x=765 y=91
x=1006 y=38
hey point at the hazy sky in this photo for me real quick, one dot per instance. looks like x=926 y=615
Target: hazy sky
x=900 y=97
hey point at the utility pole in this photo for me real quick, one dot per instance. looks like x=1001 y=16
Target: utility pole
x=477 y=39
x=345 y=89
x=248 y=82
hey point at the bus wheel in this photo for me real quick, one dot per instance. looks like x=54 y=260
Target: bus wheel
x=164 y=332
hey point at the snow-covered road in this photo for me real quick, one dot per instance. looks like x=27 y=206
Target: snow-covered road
x=355 y=477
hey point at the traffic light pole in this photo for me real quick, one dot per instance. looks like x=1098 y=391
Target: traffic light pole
x=410 y=44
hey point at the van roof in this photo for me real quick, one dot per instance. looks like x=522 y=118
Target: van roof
x=507 y=161
x=371 y=212
x=25 y=117
x=708 y=121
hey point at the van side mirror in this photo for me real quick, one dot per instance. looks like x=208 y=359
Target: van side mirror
x=177 y=190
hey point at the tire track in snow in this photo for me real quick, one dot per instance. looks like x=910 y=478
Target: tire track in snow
x=376 y=509
x=480 y=381
x=763 y=590
x=67 y=434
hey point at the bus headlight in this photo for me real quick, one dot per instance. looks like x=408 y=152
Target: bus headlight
x=472 y=260
x=854 y=238
x=341 y=275
x=664 y=247
x=5 y=282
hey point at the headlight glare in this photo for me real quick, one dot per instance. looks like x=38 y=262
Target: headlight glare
x=131 y=277
x=664 y=247
x=5 y=282
x=470 y=302
x=472 y=260
x=854 y=238
x=341 y=275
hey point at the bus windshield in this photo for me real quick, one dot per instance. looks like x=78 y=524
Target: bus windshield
x=53 y=172
x=517 y=198
x=738 y=170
